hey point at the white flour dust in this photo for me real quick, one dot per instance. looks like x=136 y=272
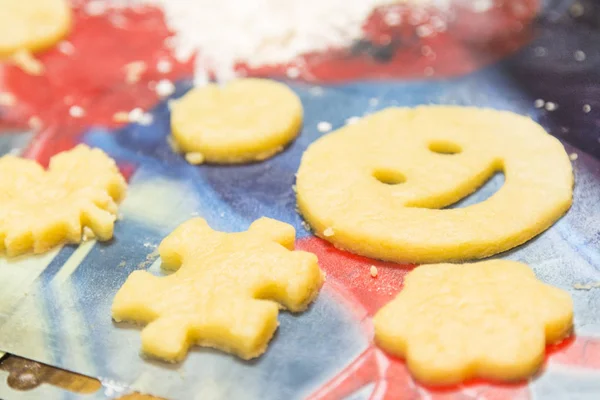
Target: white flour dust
x=266 y=32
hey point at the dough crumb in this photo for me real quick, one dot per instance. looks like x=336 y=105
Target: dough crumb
x=306 y=226
x=76 y=112
x=121 y=116
x=324 y=126
x=135 y=115
x=586 y=286
x=164 y=88
x=352 y=120
x=292 y=72
x=328 y=232
x=164 y=66
x=579 y=55
x=96 y=8
x=88 y=234
x=573 y=156
x=28 y=63
x=134 y=71
x=373 y=271
x=35 y=123
x=66 y=47
x=146 y=119
x=194 y=158
x=7 y=99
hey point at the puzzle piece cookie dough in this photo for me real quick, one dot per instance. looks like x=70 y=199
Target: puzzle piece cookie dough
x=490 y=319
x=245 y=120
x=32 y=25
x=377 y=187
x=40 y=209
x=226 y=290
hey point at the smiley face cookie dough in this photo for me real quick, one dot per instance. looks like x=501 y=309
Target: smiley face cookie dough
x=490 y=319
x=42 y=208
x=377 y=187
x=225 y=293
x=245 y=120
x=32 y=25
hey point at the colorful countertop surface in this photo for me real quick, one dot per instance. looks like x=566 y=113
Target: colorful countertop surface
x=535 y=59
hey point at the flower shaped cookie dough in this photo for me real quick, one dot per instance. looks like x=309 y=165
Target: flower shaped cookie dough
x=40 y=209
x=490 y=319
x=226 y=291
x=32 y=25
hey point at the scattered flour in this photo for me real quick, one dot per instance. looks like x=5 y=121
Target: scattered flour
x=267 y=32
x=261 y=32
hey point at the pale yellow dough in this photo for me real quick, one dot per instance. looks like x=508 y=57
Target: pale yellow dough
x=40 y=209
x=340 y=185
x=490 y=319
x=226 y=290
x=32 y=25
x=245 y=120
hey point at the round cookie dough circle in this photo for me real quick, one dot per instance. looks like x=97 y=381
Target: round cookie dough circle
x=245 y=120
x=376 y=188
x=32 y=25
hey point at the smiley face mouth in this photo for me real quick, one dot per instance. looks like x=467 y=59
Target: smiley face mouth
x=476 y=186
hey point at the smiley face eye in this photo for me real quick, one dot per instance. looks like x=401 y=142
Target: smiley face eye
x=389 y=176
x=444 y=147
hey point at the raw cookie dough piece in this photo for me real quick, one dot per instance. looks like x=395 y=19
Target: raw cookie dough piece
x=376 y=187
x=225 y=291
x=40 y=209
x=490 y=319
x=245 y=120
x=32 y=25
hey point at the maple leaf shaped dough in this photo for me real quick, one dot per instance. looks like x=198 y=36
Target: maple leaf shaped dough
x=40 y=209
x=226 y=290
x=490 y=319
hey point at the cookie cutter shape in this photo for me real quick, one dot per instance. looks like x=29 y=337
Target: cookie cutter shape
x=377 y=187
x=242 y=121
x=32 y=25
x=42 y=208
x=225 y=292
x=490 y=319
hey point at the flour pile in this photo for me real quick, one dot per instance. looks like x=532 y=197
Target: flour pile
x=267 y=32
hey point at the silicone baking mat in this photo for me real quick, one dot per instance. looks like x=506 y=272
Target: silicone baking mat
x=55 y=308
